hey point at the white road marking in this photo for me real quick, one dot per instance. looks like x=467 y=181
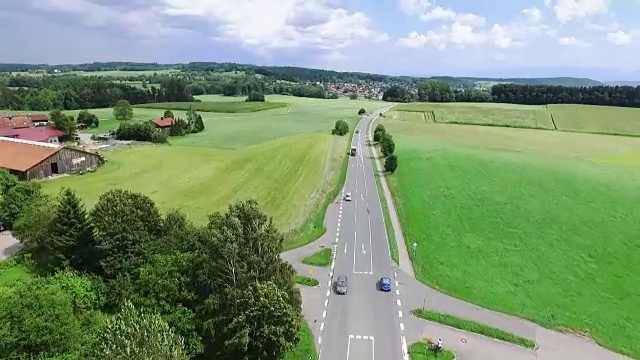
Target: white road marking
x=398 y=302
x=345 y=248
x=401 y=327
x=329 y=283
x=363 y=250
x=319 y=340
x=324 y=314
x=399 y=311
x=397 y=292
x=328 y=291
x=405 y=352
x=396 y=282
x=326 y=301
x=361 y=337
x=322 y=327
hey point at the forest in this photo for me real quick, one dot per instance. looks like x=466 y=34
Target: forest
x=437 y=91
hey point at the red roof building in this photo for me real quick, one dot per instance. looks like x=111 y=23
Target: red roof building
x=163 y=122
x=39 y=134
x=15 y=122
x=38 y=118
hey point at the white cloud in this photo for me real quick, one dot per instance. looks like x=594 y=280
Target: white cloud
x=460 y=36
x=612 y=26
x=276 y=24
x=500 y=37
x=568 y=10
x=619 y=38
x=144 y=23
x=572 y=41
x=533 y=15
x=441 y=14
x=414 y=7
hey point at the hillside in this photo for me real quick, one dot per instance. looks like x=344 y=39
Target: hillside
x=473 y=82
x=622 y=83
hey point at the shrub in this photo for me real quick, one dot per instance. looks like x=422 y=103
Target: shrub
x=255 y=96
x=377 y=135
x=353 y=96
x=391 y=163
x=122 y=110
x=341 y=128
x=140 y=132
x=387 y=146
x=362 y=111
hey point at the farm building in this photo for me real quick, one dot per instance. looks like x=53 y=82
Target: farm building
x=15 y=122
x=36 y=160
x=163 y=124
x=41 y=134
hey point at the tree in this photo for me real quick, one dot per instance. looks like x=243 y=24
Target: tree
x=72 y=241
x=168 y=114
x=33 y=230
x=7 y=181
x=122 y=110
x=255 y=97
x=194 y=120
x=387 y=146
x=38 y=319
x=341 y=128
x=126 y=224
x=135 y=335
x=263 y=324
x=391 y=163
x=379 y=132
x=380 y=127
x=179 y=127
x=64 y=123
x=362 y=111
x=353 y=96
x=243 y=248
x=87 y=119
x=198 y=124
x=17 y=199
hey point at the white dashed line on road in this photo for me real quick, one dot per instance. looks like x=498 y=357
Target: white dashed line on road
x=322 y=326
x=324 y=314
x=319 y=340
x=398 y=302
x=400 y=313
x=401 y=327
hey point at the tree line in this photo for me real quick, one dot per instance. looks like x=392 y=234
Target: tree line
x=84 y=92
x=147 y=131
x=124 y=281
x=438 y=91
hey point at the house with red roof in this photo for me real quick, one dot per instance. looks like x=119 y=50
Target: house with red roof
x=164 y=123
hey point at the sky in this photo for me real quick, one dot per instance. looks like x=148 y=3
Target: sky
x=599 y=39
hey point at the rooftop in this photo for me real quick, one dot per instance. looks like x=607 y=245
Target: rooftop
x=32 y=134
x=163 y=122
x=22 y=155
x=15 y=122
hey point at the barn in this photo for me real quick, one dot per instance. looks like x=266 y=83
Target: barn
x=37 y=160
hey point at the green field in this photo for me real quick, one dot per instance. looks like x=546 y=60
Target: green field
x=286 y=159
x=217 y=106
x=563 y=117
x=306 y=348
x=539 y=224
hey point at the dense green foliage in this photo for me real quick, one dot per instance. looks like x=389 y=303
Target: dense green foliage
x=340 y=128
x=84 y=92
x=387 y=145
x=361 y=111
x=438 y=91
x=168 y=289
x=141 y=132
x=255 y=97
x=65 y=123
x=391 y=163
x=122 y=110
x=87 y=119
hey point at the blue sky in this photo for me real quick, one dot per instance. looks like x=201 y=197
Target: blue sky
x=525 y=38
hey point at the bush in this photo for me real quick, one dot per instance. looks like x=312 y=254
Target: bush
x=391 y=163
x=341 y=128
x=353 y=96
x=387 y=146
x=255 y=96
x=362 y=111
x=140 y=132
x=377 y=135
x=380 y=127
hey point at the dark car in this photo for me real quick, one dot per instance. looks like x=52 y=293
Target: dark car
x=385 y=284
x=341 y=285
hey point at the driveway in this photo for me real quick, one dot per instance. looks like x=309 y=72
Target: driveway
x=8 y=245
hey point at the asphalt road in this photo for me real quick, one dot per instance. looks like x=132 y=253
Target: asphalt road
x=365 y=323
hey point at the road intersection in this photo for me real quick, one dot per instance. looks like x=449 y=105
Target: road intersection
x=367 y=323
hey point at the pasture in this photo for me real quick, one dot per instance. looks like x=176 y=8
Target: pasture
x=539 y=224
x=217 y=106
x=286 y=159
x=562 y=117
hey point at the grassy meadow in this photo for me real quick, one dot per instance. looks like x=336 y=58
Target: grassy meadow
x=540 y=224
x=286 y=159
x=218 y=106
x=563 y=117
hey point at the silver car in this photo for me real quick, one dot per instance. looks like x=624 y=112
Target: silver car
x=341 y=285
x=347 y=197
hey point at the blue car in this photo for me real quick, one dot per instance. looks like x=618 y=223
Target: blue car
x=385 y=284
